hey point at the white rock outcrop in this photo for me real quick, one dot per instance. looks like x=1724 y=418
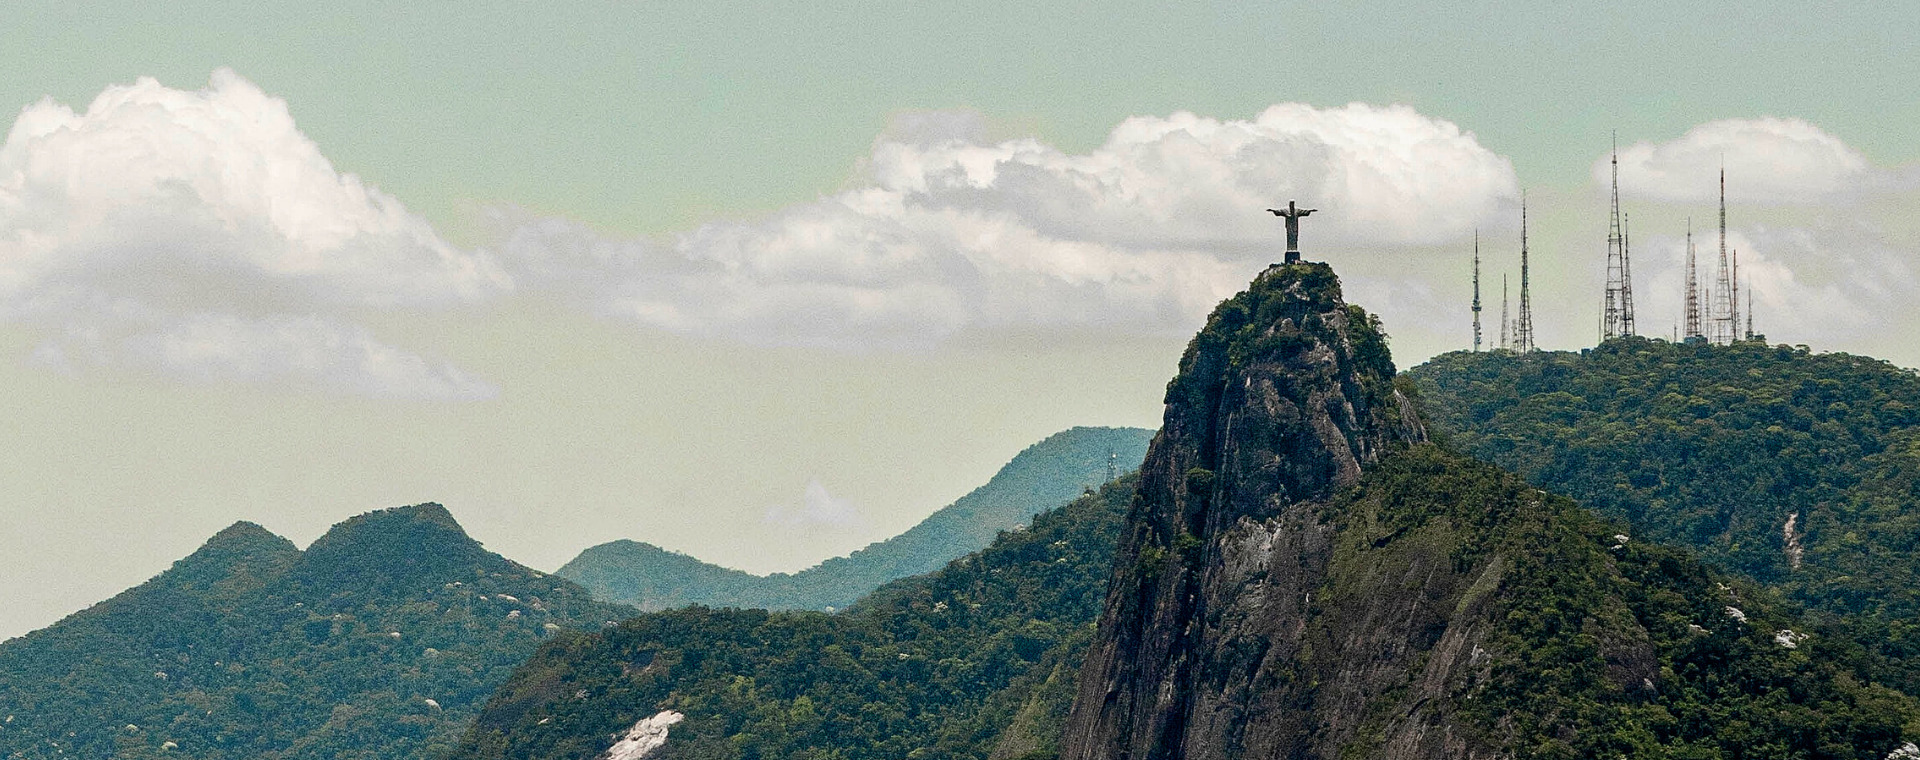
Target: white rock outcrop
x=646 y=736
x=1790 y=539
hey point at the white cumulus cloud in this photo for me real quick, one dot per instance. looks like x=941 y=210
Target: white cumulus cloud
x=945 y=231
x=1768 y=161
x=201 y=234
x=196 y=232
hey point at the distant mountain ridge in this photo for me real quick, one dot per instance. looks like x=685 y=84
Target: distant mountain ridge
x=935 y=666
x=378 y=641
x=1045 y=475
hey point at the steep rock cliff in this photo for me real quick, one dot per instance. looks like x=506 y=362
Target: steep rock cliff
x=1303 y=576
x=1283 y=398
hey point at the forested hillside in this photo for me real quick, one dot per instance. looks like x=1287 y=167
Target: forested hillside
x=380 y=641
x=936 y=666
x=981 y=660
x=1045 y=475
x=1799 y=469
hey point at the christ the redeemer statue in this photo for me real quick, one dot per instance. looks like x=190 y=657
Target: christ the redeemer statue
x=1292 y=214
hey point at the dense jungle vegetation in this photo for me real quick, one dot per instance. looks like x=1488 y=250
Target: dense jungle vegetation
x=1798 y=469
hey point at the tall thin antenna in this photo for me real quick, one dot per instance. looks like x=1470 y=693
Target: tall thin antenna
x=1733 y=300
x=1476 y=291
x=1113 y=461
x=1626 y=277
x=1523 y=330
x=1617 y=312
x=1723 y=280
x=1706 y=312
x=1750 y=335
x=1503 y=310
x=1693 y=287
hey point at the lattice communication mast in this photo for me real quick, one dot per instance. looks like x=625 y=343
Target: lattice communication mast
x=1616 y=317
x=1503 y=309
x=1476 y=291
x=1733 y=300
x=1725 y=312
x=1626 y=277
x=1750 y=333
x=1693 y=288
x=1523 y=327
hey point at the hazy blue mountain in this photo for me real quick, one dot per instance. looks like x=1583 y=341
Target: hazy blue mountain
x=381 y=640
x=1045 y=475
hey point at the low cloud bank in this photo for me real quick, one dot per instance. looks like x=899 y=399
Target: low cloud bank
x=945 y=231
x=199 y=234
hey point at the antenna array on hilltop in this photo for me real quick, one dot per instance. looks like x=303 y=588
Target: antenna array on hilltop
x=1711 y=315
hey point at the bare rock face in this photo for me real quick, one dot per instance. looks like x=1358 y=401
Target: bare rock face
x=1213 y=643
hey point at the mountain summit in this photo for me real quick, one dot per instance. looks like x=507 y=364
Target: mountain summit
x=1284 y=397
x=379 y=641
x=405 y=551
x=1303 y=576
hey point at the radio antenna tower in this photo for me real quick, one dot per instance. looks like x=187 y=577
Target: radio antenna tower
x=1523 y=328
x=1476 y=291
x=1723 y=280
x=1113 y=461
x=1750 y=335
x=1733 y=301
x=1693 y=288
x=1626 y=277
x=1617 y=315
x=1503 y=309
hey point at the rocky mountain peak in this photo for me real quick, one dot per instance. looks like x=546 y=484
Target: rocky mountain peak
x=1283 y=397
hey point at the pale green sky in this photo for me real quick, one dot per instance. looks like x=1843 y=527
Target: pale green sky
x=651 y=118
